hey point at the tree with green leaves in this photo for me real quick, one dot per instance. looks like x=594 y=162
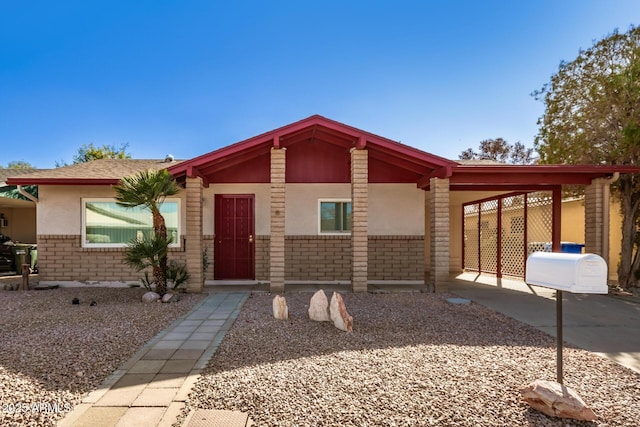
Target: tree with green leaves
x=18 y=165
x=499 y=150
x=592 y=116
x=89 y=152
x=149 y=189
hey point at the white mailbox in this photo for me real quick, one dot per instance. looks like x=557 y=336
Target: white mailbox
x=576 y=273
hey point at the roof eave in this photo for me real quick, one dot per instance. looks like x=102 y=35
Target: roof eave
x=62 y=181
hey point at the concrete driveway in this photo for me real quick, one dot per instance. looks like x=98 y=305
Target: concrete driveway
x=603 y=324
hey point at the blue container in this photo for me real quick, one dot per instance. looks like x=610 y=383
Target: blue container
x=571 y=248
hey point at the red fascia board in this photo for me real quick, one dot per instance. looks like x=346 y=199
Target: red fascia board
x=62 y=181
x=521 y=178
x=360 y=140
x=422 y=162
x=524 y=188
x=571 y=169
x=204 y=160
x=410 y=153
x=399 y=162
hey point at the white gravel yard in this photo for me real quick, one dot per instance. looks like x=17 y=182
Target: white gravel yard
x=52 y=352
x=411 y=360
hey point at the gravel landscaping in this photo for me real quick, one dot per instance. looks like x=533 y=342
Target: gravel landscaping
x=52 y=352
x=412 y=360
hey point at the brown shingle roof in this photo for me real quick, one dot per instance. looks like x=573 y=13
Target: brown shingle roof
x=6 y=173
x=103 y=171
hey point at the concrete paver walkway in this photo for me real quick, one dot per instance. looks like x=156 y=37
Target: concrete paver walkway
x=151 y=388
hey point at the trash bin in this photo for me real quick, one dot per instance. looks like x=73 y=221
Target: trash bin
x=21 y=255
x=571 y=247
x=566 y=247
x=34 y=258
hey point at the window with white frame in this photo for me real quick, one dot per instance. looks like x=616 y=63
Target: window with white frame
x=106 y=224
x=334 y=216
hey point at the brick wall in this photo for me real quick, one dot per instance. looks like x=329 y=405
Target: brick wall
x=262 y=258
x=396 y=258
x=318 y=258
x=329 y=257
x=207 y=244
x=62 y=258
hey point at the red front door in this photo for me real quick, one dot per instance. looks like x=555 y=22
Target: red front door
x=234 y=248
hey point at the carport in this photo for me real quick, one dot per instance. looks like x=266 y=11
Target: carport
x=454 y=194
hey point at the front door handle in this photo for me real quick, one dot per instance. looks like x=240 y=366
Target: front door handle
x=250 y=238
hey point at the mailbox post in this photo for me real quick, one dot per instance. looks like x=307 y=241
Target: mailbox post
x=575 y=273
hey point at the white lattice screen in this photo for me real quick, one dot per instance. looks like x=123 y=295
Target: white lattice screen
x=500 y=233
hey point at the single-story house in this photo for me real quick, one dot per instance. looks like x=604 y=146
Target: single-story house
x=315 y=200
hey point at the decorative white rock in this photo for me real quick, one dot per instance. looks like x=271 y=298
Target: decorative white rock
x=150 y=297
x=280 y=309
x=338 y=312
x=319 y=307
x=556 y=400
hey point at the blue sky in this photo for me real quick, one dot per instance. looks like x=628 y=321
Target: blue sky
x=187 y=77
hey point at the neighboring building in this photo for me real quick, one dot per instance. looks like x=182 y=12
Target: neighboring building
x=573 y=229
x=17 y=212
x=315 y=200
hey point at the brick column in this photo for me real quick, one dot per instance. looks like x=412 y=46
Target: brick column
x=194 y=235
x=427 y=240
x=595 y=229
x=359 y=219
x=439 y=234
x=276 y=242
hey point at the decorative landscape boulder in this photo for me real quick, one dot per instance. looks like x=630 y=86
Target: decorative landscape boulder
x=150 y=297
x=338 y=313
x=319 y=307
x=556 y=400
x=280 y=309
x=169 y=297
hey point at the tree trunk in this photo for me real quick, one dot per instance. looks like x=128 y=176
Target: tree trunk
x=629 y=200
x=160 y=229
x=160 y=280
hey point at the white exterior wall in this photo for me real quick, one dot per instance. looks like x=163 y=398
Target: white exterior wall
x=59 y=210
x=393 y=209
x=396 y=210
x=302 y=205
x=60 y=207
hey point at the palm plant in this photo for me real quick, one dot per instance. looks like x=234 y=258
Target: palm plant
x=149 y=189
x=147 y=253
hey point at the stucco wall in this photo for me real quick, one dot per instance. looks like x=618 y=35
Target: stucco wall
x=60 y=207
x=396 y=223
x=21 y=224
x=573 y=229
x=394 y=209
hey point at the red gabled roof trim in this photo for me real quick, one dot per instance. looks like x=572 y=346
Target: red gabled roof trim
x=277 y=137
